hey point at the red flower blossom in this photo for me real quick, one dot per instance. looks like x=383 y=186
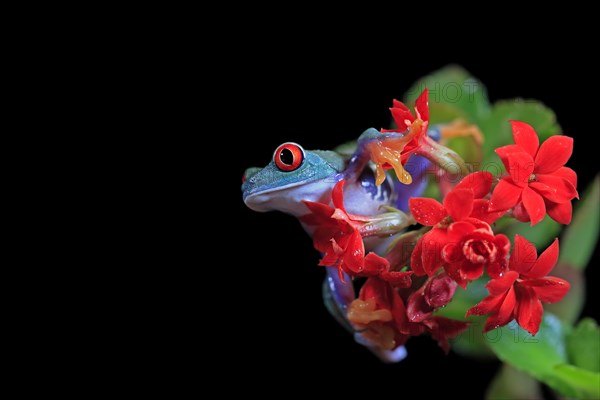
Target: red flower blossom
x=464 y=203
x=465 y=200
x=519 y=292
x=337 y=234
x=538 y=182
x=404 y=120
x=381 y=316
x=471 y=246
x=394 y=152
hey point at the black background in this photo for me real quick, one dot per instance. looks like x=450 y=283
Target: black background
x=321 y=100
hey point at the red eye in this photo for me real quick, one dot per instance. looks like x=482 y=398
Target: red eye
x=288 y=156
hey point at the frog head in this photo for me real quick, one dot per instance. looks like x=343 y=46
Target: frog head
x=293 y=175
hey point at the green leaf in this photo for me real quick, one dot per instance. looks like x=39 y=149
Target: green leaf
x=544 y=357
x=537 y=355
x=453 y=94
x=580 y=238
x=540 y=234
x=510 y=383
x=497 y=130
x=576 y=382
x=583 y=345
x=468 y=149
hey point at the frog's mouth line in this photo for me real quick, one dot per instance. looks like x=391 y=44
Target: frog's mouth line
x=254 y=194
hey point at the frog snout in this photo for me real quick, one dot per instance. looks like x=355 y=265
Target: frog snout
x=249 y=173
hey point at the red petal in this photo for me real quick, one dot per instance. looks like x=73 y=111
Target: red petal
x=458 y=230
x=433 y=242
x=568 y=174
x=397 y=279
x=500 y=266
x=501 y=285
x=524 y=255
x=439 y=290
x=376 y=289
x=375 y=265
x=453 y=271
x=503 y=245
x=496 y=269
x=529 y=312
x=561 y=213
x=400 y=113
x=452 y=253
x=525 y=137
x=422 y=105
x=505 y=151
x=416 y=263
x=549 y=289
x=320 y=209
x=337 y=195
x=520 y=168
x=426 y=211
x=534 y=205
x=480 y=226
x=471 y=271
x=505 y=196
x=486 y=306
x=399 y=104
x=481 y=211
x=504 y=314
x=459 y=203
x=479 y=182
x=398 y=309
x=329 y=260
x=545 y=262
x=520 y=214
x=354 y=254
x=553 y=154
x=554 y=188
x=417 y=308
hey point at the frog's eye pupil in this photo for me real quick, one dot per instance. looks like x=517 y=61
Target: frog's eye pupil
x=288 y=157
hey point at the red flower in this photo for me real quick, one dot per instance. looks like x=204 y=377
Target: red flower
x=464 y=203
x=538 y=182
x=382 y=318
x=394 y=151
x=337 y=234
x=404 y=120
x=465 y=200
x=519 y=292
x=471 y=246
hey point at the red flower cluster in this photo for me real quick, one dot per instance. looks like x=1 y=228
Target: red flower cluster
x=380 y=312
x=460 y=243
x=538 y=181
